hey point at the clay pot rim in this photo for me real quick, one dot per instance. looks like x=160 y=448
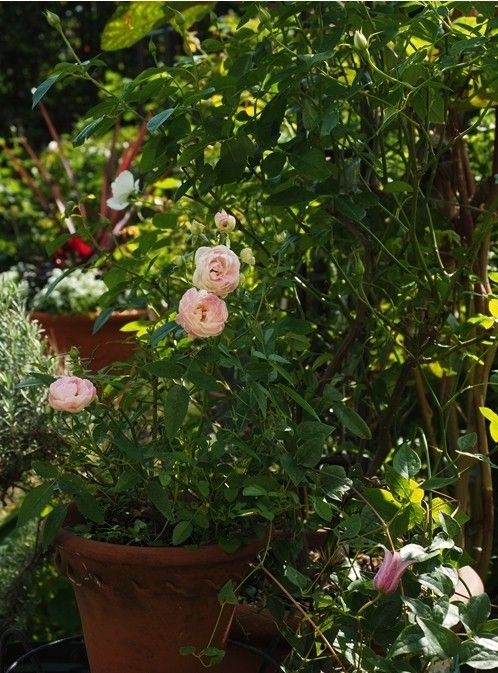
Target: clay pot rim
x=90 y=315
x=154 y=556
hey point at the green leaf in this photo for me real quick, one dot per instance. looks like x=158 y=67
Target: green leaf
x=164 y=369
x=335 y=482
x=44 y=470
x=311 y=163
x=35 y=502
x=131 y=22
x=440 y=641
x=295 y=577
x=160 y=332
x=309 y=452
x=102 y=318
x=475 y=656
x=467 y=442
x=323 y=509
x=175 y=409
x=87 y=131
x=254 y=490
x=273 y=164
x=290 y=196
x=406 y=462
x=227 y=594
x=300 y=400
x=397 y=186
x=475 y=612
x=158 y=120
x=159 y=498
x=409 y=641
x=42 y=89
x=181 y=532
x=352 y=421
x=53 y=523
x=90 y=507
x=350 y=209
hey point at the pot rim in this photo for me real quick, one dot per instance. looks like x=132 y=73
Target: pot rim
x=89 y=315
x=153 y=556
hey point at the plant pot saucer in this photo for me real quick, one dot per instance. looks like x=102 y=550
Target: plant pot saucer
x=69 y=656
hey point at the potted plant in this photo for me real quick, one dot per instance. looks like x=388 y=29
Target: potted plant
x=59 y=189
x=168 y=465
x=67 y=308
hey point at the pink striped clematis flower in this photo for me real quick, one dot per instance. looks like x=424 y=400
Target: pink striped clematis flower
x=389 y=574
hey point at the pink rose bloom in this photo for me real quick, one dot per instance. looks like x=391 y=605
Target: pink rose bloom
x=70 y=393
x=389 y=574
x=216 y=270
x=224 y=221
x=201 y=314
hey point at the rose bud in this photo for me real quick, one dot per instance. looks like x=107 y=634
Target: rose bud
x=389 y=574
x=224 y=221
x=247 y=256
x=201 y=314
x=216 y=270
x=70 y=393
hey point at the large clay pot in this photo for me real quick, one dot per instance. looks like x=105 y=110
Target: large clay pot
x=140 y=605
x=97 y=350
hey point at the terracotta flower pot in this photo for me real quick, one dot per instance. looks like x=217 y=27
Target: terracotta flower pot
x=98 y=350
x=140 y=605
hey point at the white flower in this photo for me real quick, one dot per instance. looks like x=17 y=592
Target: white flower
x=121 y=189
x=247 y=256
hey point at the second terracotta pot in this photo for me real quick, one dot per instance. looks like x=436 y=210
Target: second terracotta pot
x=98 y=350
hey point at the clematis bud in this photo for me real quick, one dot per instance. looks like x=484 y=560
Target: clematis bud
x=247 y=256
x=360 y=41
x=389 y=574
x=224 y=221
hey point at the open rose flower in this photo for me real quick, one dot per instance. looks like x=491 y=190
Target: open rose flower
x=122 y=187
x=389 y=574
x=70 y=393
x=216 y=270
x=224 y=221
x=201 y=314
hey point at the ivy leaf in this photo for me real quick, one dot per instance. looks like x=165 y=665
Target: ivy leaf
x=227 y=593
x=406 y=462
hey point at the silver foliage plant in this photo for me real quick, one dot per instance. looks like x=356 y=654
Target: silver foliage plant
x=24 y=429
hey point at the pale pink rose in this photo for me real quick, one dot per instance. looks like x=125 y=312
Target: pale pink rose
x=201 y=314
x=70 y=393
x=224 y=221
x=216 y=270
